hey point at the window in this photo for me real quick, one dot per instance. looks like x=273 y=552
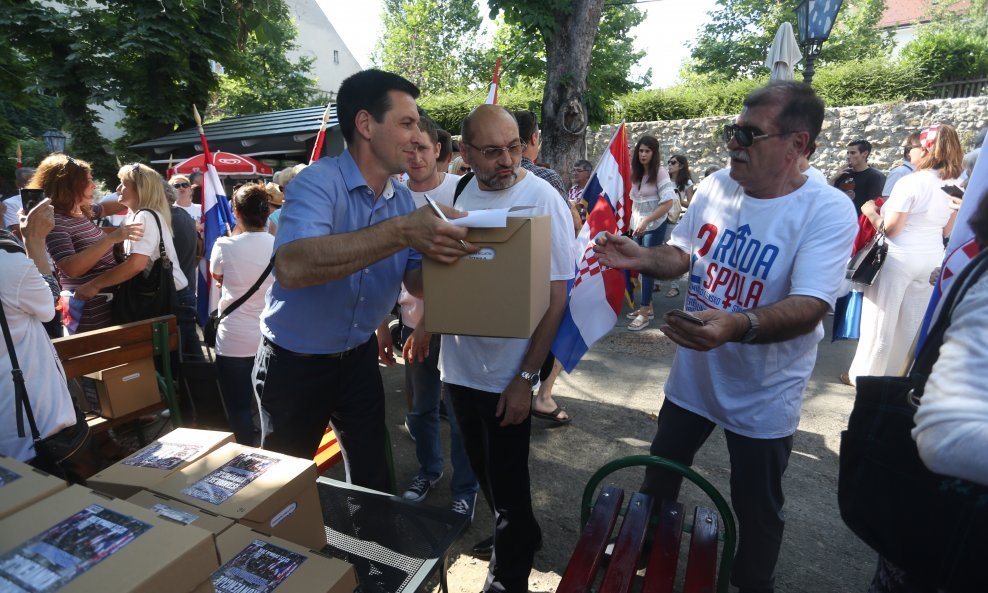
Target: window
x=336 y=56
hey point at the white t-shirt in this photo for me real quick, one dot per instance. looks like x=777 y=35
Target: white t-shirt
x=13 y=204
x=489 y=364
x=148 y=244
x=814 y=174
x=412 y=308
x=194 y=210
x=27 y=302
x=927 y=207
x=240 y=260
x=746 y=253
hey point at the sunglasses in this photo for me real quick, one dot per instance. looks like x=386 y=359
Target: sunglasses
x=672 y=162
x=745 y=136
x=181 y=185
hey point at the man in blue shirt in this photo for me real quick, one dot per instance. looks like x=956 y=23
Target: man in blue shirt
x=348 y=238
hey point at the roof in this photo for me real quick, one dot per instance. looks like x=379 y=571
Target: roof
x=908 y=12
x=263 y=133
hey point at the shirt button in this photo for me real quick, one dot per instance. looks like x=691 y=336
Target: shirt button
x=354 y=325
x=362 y=299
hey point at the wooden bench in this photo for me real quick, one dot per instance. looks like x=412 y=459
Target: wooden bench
x=628 y=555
x=96 y=350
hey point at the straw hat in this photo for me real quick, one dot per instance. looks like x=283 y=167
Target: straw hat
x=274 y=194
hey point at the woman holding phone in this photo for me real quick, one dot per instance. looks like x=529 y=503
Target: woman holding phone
x=80 y=250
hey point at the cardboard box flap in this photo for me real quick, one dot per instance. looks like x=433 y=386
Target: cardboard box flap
x=500 y=235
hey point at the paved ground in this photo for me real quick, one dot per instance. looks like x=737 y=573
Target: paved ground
x=613 y=397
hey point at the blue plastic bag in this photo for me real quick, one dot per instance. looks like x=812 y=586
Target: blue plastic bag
x=847 y=316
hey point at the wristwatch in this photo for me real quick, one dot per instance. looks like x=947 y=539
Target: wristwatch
x=750 y=335
x=530 y=378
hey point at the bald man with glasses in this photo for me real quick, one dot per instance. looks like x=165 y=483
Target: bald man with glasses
x=765 y=251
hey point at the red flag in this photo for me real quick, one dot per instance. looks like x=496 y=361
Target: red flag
x=492 y=94
x=320 y=137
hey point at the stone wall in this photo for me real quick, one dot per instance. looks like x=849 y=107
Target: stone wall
x=885 y=126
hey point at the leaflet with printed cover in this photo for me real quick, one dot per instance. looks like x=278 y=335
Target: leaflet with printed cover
x=7 y=476
x=258 y=568
x=164 y=455
x=220 y=484
x=53 y=558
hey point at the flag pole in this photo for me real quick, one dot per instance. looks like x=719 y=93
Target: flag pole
x=208 y=160
x=320 y=137
x=19 y=164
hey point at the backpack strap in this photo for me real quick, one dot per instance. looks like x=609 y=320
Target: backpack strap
x=461 y=185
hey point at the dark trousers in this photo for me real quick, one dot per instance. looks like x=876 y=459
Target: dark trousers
x=236 y=383
x=757 y=466
x=300 y=395
x=185 y=317
x=499 y=458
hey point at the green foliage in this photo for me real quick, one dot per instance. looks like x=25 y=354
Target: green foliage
x=684 y=101
x=870 y=81
x=736 y=40
x=449 y=110
x=947 y=54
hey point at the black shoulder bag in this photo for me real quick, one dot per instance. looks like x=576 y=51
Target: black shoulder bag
x=213 y=324
x=68 y=453
x=934 y=527
x=150 y=293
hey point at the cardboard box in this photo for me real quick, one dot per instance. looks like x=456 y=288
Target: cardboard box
x=79 y=541
x=162 y=458
x=308 y=573
x=22 y=485
x=263 y=490
x=500 y=291
x=179 y=512
x=124 y=389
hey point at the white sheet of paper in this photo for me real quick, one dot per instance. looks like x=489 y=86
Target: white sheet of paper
x=495 y=218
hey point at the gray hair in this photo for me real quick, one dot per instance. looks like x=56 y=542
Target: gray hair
x=170 y=194
x=969 y=160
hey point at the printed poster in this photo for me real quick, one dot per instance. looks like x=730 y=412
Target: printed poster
x=220 y=484
x=164 y=455
x=53 y=558
x=7 y=476
x=258 y=568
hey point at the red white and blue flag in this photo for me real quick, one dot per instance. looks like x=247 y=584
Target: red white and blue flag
x=597 y=292
x=320 y=136
x=961 y=248
x=217 y=220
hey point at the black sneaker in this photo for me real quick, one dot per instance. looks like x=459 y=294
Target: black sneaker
x=465 y=506
x=420 y=488
x=483 y=549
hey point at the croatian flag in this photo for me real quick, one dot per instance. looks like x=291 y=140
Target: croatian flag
x=71 y=309
x=217 y=220
x=320 y=137
x=492 y=94
x=596 y=294
x=961 y=248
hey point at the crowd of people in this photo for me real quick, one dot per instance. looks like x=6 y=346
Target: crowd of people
x=321 y=256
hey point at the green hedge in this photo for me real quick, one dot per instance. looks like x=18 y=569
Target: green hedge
x=871 y=81
x=947 y=54
x=450 y=110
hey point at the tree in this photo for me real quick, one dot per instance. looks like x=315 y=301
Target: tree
x=952 y=46
x=737 y=38
x=430 y=42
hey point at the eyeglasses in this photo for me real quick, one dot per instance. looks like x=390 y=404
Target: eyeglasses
x=747 y=135
x=463 y=169
x=181 y=185
x=494 y=152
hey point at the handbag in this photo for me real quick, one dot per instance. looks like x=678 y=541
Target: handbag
x=867 y=262
x=930 y=525
x=68 y=453
x=150 y=293
x=676 y=212
x=213 y=323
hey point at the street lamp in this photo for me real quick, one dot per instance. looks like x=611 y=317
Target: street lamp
x=54 y=140
x=815 y=19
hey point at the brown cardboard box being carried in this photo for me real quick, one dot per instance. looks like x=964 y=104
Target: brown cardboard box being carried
x=241 y=551
x=152 y=464
x=500 y=291
x=22 y=485
x=267 y=491
x=79 y=541
x=180 y=512
x=124 y=389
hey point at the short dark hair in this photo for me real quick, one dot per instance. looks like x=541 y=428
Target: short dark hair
x=428 y=126
x=445 y=144
x=583 y=164
x=861 y=145
x=368 y=90
x=527 y=124
x=251 y=202
x=801 y=108
x=911 y=141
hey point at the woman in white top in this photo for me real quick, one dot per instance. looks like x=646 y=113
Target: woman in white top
x=236 y=263
x=916 y=217
x=652 y=193
x=141 y=191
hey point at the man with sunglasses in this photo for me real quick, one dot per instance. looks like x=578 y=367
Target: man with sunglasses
x=765 y=250
x=490 y=380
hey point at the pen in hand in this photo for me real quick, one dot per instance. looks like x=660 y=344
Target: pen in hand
x=435 y=208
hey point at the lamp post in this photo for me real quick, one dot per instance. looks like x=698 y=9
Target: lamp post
x=815 y=19
x=54 y=140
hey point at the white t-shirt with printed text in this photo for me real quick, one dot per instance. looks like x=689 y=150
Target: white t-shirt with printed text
x=746 y=253
x=489 y=364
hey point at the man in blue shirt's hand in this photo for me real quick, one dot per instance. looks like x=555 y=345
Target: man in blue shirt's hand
x=349 y=236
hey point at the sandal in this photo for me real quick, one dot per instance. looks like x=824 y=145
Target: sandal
x=639 y=323
x=635 y=313
x=673 y=292
x=846 y=379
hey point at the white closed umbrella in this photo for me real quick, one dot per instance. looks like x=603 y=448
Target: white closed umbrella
x=784 y=54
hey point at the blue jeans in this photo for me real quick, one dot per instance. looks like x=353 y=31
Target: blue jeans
x=652 y=238
x=185 y=316
x=236 y=383
x=423 y=423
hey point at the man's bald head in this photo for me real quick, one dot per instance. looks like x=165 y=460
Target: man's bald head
x=483 y=116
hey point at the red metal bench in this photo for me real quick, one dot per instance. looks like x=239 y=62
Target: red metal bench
x=587 y=566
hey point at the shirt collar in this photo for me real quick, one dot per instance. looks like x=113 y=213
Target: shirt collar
x=354 y=179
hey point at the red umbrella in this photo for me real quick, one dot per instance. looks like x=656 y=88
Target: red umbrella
x=226 y=163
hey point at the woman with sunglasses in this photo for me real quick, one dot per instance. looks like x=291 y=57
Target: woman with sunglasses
x=183 y=187
x=652 y=193
x=679 y=172
x=80 y=250
x=916 y=218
